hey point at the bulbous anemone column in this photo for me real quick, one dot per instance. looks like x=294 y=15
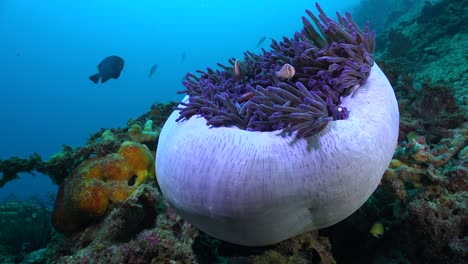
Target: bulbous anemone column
x=222 y=165
x=255 y=188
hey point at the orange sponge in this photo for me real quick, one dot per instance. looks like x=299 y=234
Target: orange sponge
x=86 y=194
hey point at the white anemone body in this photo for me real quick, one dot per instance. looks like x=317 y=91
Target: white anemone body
x=256 y=188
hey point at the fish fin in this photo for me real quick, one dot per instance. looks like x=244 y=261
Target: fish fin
x=95 y=78
x=105 y=79
x=117 y=75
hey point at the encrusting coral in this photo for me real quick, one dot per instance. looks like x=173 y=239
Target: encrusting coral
x=96 y=183
x=254 y=158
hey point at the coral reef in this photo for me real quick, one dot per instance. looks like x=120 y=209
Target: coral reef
x=24 y=226
x=421 y=200
x=86 y=194
x=432 y=28
x=439 y=216
x=101 y=143
x=144 y=229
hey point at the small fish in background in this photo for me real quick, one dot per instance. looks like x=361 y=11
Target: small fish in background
x=183 y=57
x=377 y=230
x=109 y=67
x=261 y=40
x=152 y=70
x=17 y=54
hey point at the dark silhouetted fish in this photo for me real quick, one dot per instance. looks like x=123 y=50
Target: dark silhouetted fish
x=152 y=70
x=261 y=40
x=182 y=58
x=110 y=67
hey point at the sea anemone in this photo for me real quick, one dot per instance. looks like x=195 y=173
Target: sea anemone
x=297 y=86
x=281 y=143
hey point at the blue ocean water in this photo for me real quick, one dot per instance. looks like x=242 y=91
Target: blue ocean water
x=48 y=49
